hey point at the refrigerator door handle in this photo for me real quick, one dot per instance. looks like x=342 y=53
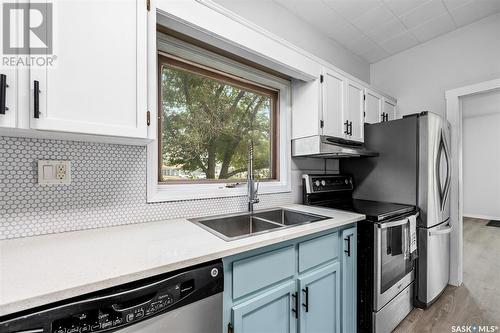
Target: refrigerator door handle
x=444 y=231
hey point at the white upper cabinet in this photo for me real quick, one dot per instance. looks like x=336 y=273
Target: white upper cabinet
x=389 y=110
x=378 y=108
x=373 y=107
x=8 y=97
x=98 y=83
x=355 y=112
x=334 y=105
x=345 y=105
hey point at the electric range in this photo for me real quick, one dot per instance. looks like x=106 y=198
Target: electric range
x=386 y=254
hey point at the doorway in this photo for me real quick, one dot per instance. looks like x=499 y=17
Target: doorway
x=481 y=155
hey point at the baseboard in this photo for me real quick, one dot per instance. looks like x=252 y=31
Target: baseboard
x=483 y=217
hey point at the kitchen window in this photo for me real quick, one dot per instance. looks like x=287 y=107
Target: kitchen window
x=207 y=119
x=209 y=108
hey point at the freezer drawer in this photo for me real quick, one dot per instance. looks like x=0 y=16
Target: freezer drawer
x=433 y=267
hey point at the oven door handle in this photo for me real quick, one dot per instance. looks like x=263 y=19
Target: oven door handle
x=392 y=224
x=396 y=223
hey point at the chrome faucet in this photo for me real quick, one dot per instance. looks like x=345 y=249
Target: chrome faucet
x=252 y=186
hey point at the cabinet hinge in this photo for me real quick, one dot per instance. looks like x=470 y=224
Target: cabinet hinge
x=148 y=118
x=364 y=97
x=321 y=123
x=230 y=328
x=364 y=114
x=321 y=78
x=148 y=5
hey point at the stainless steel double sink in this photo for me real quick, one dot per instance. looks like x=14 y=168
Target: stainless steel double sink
x=236 y=226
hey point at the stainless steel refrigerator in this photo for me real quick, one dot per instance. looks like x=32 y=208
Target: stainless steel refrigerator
x=414 y=168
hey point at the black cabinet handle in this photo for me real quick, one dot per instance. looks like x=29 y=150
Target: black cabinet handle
x=350 y=128
x=295 y=309
x=3 y=93
x=348 y=251
x=306 y=293
x=36 y=99
x=346 y=124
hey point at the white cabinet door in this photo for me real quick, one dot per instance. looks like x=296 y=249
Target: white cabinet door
x=373 y=107
x=334 y=105
x=8 y=96
x=355 y=109
x=389 y=110
x=9 y=81
x=98 y=82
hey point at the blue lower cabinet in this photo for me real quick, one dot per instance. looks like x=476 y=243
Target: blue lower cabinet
x=270 y=312
x=349 y=280
x=320 y=300
x=306 y=285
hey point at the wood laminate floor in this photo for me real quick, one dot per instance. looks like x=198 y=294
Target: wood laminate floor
x=477 y=300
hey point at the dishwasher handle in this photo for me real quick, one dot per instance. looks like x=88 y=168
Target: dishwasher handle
x=139 y=301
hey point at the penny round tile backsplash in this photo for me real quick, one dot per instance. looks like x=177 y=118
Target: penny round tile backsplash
x=108 y=188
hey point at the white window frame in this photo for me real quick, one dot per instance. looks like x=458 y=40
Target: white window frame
x=160 y=192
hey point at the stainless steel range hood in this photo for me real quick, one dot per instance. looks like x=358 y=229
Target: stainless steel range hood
x=321 y=146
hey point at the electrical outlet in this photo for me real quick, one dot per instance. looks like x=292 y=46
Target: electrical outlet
x=54 y=172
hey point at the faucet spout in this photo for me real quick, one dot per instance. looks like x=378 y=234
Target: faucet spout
x=252 y=188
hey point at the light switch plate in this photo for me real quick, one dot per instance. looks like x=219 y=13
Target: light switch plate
x=54 y=172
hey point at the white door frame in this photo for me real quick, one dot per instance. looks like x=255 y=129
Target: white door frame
x=454 y=116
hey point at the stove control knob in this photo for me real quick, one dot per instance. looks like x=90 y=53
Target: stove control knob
x=323 y=183
x=346 y=181
x=317 y=183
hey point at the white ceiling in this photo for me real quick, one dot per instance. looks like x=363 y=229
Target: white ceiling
x=376 y=29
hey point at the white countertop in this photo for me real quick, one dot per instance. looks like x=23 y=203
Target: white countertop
x=40 y=270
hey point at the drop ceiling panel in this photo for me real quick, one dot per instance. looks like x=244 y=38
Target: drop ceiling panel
x=375 y=29
x=423 y=13
x=433 y=28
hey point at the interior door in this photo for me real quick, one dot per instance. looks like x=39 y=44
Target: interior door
x=333 y=105
x=98 y=82
x=355 y=110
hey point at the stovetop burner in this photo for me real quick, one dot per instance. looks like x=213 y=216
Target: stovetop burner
x=335 y=191
x=374 y=210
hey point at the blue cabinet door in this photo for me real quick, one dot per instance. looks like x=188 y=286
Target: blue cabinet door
x=320 y=300
x=269 y=312
x=349 y=280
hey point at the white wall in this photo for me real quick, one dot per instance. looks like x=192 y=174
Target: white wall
x=418 y=77
x=280 y=21
x=481 y=155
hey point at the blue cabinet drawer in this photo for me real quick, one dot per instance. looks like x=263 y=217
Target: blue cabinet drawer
x=317 y=251
x=258 y=272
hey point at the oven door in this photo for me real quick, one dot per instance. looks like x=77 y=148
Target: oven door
x=393 y=264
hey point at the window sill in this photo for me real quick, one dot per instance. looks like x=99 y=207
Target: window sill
x=209 y=191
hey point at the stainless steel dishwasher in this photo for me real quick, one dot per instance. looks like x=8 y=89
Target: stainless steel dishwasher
x=185 y=301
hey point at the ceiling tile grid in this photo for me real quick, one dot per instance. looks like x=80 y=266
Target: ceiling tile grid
x=376 y=29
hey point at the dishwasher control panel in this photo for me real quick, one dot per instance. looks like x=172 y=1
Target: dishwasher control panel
x=123 y=305
x=118 y=315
